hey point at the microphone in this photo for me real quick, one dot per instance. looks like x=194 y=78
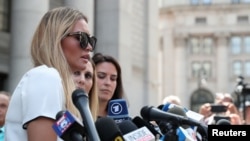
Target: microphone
x=108 y=129
x=81 y=101
x=189 y=113
x=139 y=122
x=132 y=133
x=190 y=131
x=67 y=127
x=177 y=110
x=152 y=113
x=223 y=122
x=118 y=110
x=127 y=126
x=171 y=127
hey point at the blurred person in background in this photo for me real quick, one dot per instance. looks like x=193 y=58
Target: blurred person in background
x=86 y=80
x=109 y=81
x=246 y=119
x=231 y=111
x=4 y=103
x=172 y=99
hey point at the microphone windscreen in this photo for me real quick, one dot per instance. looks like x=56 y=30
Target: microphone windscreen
x=177 y=110
x=145 y=112
x=126 y=126
x=77 y=93
x=59 y=114
x=108 y=129
x=223 y=122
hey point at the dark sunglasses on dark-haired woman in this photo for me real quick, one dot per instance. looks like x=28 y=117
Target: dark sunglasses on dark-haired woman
x=84 y=39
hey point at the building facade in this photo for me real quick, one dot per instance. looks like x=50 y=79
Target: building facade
x=188 y=48
x=206 y=47
x=126 y=29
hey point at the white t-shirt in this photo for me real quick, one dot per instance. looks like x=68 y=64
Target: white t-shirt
x=39 y=93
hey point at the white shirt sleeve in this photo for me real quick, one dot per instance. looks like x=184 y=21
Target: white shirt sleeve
x=42 y=94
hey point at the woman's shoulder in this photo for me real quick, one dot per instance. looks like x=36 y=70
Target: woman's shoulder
x=43 y=71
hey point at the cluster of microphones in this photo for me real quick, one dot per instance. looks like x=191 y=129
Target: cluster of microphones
x=167 y=122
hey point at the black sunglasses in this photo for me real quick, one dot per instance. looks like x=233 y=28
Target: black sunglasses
x=84 y=39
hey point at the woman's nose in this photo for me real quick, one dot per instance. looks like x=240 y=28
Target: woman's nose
x=82 y=80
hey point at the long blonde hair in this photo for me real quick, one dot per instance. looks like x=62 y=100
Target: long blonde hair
x=46 y=47
x=93 y=95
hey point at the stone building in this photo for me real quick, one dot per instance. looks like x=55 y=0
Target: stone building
x=126 y=29
x=206 y=46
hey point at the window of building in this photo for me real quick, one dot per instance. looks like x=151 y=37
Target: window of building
x=5 y=15
x=237 y=68
x=242 y=19
x=196 y=2
x=207 y=1
x=200 y=20
x=246 y=1
x=3 y=81
x=201 y=69
x=203 y=46
x=207 y=45
x=247 y=68
x=195 y=47
x=196 y=66
x=199 y=97
x=235 y=1
x=207 y=68
x=235 y=45
x=247 y=44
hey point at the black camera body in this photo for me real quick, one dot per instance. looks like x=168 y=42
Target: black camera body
x=218 y=108
x=246 y=90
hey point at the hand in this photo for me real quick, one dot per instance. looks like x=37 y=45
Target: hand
x=205 y=110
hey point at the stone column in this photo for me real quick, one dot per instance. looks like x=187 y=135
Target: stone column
x=222 y=59
x=25 y=16
x=180 y=68
x=87 y=7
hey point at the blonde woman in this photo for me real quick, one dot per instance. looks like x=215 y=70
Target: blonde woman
x=61 y=43
x=86 y=80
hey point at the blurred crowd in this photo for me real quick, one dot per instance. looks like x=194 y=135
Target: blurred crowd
x=224 y=108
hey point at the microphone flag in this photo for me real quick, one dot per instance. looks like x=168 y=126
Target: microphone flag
x=117 y=110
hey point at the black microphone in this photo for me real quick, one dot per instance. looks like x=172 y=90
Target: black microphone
x=108 y=129
x=223 y=122
x=132 y=133
x=67 y=127
x=190 y=114
x=126 y=126
x=139 y=122
x=152 y=113
x=178 y=110
x=81 y=101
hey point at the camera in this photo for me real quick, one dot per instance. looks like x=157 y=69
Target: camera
x=218 y=108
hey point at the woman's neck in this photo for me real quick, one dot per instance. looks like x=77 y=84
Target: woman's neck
x=103 y=108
